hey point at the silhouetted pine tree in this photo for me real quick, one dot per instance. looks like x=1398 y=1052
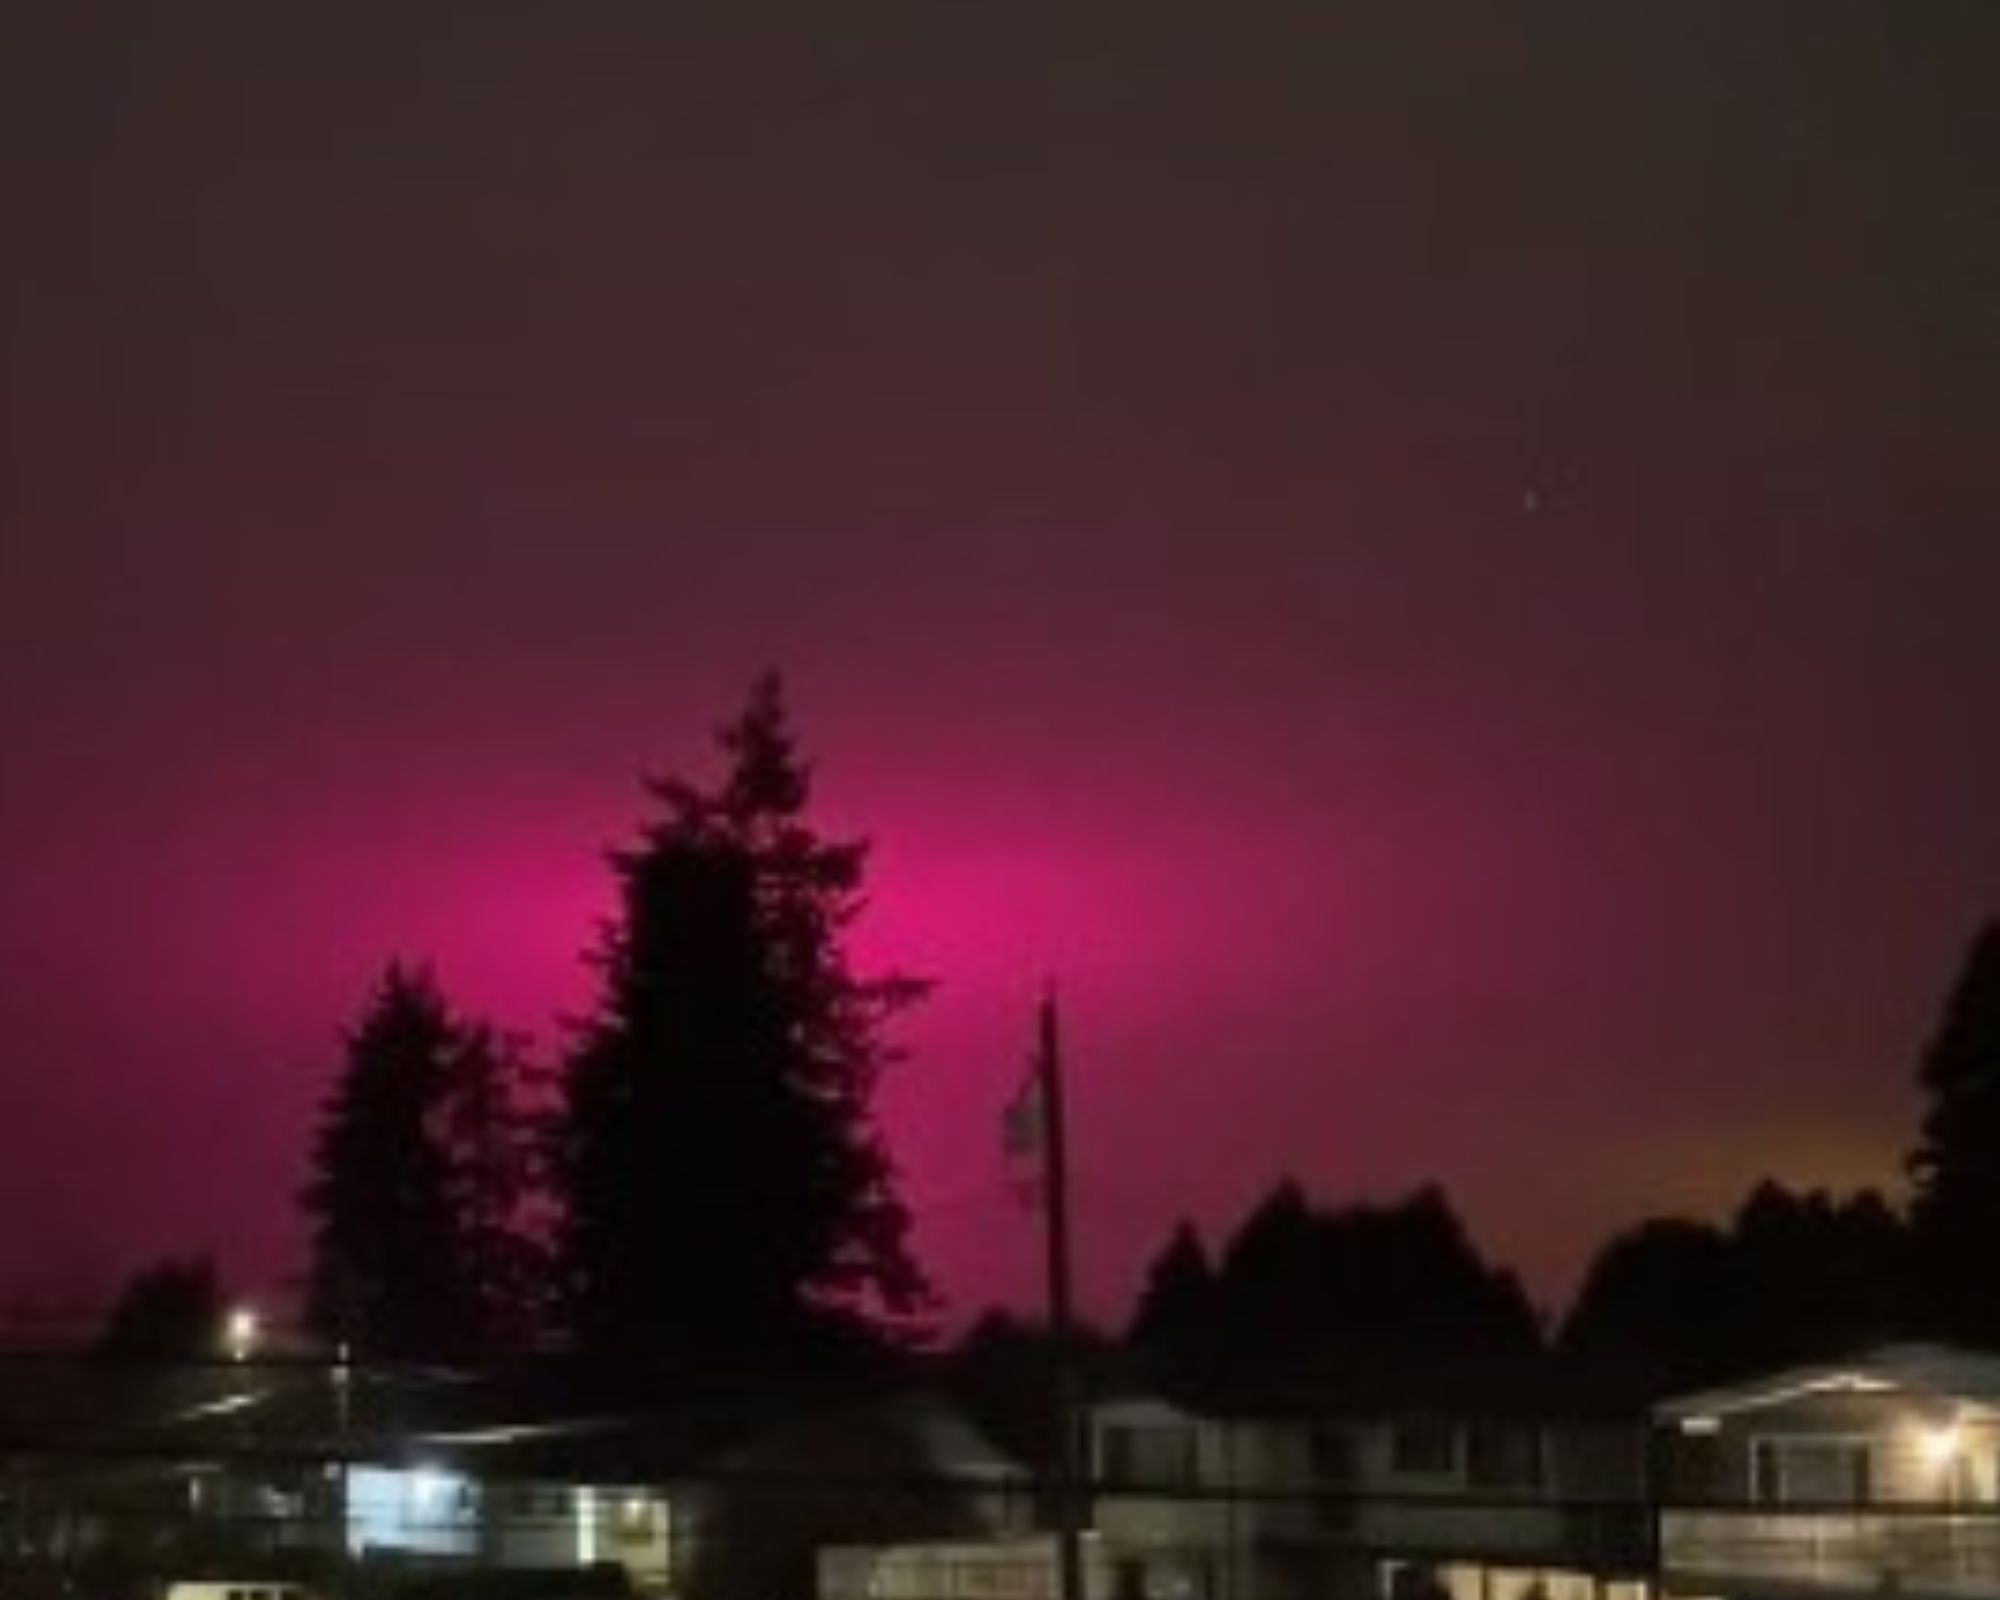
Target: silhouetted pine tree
x=1174 y=1323
x=1955 y=1168
x=1796 y=1276
x=1821 y=1276
x=1435 y=1299
x=1365 y=1302
x=1268 y=1286
x=386 y=1275
x=493 y=1144
x=727 y=1199
x=1660 y=1309
x=169 y=1312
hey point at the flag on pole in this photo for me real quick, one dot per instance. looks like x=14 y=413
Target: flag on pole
x=1024 y=1138
x=1022 y=1129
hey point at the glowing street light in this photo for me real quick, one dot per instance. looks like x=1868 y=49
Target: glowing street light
x=240 y=1333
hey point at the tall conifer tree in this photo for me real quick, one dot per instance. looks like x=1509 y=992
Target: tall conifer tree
x=383 y=1276
x=421 y=1171
x=171 y=1311
x=728 y=1201
x=1955 y=1168
x=493 y=1143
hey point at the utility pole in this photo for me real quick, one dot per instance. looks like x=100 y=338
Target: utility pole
x=1068 y=1478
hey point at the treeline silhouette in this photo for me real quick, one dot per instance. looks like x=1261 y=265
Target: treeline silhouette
x=688 y=1205
x=694 y=1184
x=1392 y=1304
x=1311 y=1305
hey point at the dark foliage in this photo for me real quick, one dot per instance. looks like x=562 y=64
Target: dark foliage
x=1172 y=1335
x=1001 y=1375
x=169 y=1312
x=1955 y=1167
x=1335 y=1306
x=1674 y=1304
x=1656 y=1311
x=420 y=1167
x=1799 y=1277
x=727 y=1200
x=494 y=1138
x=1821 y=1275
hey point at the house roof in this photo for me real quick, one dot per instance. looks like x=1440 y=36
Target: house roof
x=1943 y=1372
x=519 y=1424
x=946 y=1438
x=1388 y=1390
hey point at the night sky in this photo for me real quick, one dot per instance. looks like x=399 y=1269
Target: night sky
x=1437 y=564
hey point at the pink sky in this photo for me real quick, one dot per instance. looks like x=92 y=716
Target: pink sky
x=1438 y=578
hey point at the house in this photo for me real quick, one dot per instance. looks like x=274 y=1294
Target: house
x=1006 y=1567
x=1194 y=1506
x=301 y=1466
x=1268 y=1507
x=1878 y=1473
x=297 y=1466
x=1497 y=1501
x=853 y=1497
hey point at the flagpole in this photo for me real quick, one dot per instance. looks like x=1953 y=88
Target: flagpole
x=1055 y=1210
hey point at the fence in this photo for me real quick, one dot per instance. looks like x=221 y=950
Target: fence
x=1908 y=1549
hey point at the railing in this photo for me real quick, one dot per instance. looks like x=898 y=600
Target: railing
x=1915 y=1551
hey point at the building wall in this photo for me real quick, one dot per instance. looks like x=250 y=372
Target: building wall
x=1922 y=1553
x=1835 y=1490
x=1168 y=1478
x=988 y=1569
x=1506 y=1490
x=1900 y=1434
x=1282 y=1508
x=1468 y=1581
x=532 y=1523
x=419 y=1511
x=1203 y=1508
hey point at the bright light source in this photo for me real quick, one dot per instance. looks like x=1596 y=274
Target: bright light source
x=634 y=1510
x=1940 y=1446
x=240 y=1333
x=1701 y=1424
x=428 y=1489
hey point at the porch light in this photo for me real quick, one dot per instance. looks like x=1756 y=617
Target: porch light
x=1940 y=1447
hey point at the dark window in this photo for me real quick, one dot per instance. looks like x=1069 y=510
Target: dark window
x=1504 y=1457
x=1423 y=1449
x=1811 y=1472
x=1150 y=1457
x=1335 y=1511
x=1331 y=1451
x=1765 y=1488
